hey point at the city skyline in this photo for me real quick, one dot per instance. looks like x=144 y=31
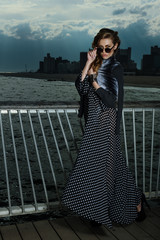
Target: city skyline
x=150 y=63
x=30 y=29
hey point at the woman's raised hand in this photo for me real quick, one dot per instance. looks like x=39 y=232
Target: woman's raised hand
x=91 y=55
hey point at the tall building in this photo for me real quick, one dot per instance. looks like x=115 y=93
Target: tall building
x=124 y=57
x=48 y=65
x=150 y=64
x=155 y=50
x=83 y=59
x=58 y=65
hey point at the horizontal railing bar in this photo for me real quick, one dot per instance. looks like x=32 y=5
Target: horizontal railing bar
x=28 y=209
x=15 y=111
x=43 y=207
x=61 y=110
x=68 y=104
x=139 y=109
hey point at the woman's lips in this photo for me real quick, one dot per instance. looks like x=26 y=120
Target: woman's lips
x=104 y=55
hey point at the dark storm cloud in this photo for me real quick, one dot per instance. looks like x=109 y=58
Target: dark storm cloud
x=119 y=11
x=138 y=11
x=147 y=6
x=136 y=36
x=16 y=53
x=24 y=31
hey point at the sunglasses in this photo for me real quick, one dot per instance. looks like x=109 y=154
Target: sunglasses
x=107 y=50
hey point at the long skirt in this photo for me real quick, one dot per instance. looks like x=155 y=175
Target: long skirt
x=100 y=186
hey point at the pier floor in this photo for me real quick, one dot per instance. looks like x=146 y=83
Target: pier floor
x=75 y=228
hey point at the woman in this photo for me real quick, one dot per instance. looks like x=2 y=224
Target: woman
x=100 y=187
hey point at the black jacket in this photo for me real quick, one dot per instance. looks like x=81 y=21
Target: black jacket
x=110 y=79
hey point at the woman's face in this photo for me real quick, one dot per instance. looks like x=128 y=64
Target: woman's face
x=106 y=43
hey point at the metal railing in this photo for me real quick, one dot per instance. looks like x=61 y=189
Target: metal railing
x=39 y=145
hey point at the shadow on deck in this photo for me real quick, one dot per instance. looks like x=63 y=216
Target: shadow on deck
x=74 y=228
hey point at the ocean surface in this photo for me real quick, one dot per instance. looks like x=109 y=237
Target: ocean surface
x=17 y=89
x=27 y=89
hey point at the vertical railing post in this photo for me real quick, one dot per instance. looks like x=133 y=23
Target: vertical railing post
x=158 y=173
x=28 y=162
x=152 y=142
x=144 y=170
x=38 y=158
x=49 y=157
x=135 y=150
x=69 y=124
x=16 y=160
x=56 y=143
x=80 y=122
x=5 y=163
x=125 y=139
x=64 y=136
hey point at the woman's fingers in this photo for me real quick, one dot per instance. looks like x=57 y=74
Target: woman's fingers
x=95 y=50
x=93 y=53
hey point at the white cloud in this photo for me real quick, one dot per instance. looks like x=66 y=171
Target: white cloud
x=49 y=18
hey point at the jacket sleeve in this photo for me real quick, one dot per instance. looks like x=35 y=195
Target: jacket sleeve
x=118 y=74
x=106 y=97
x=82 y=86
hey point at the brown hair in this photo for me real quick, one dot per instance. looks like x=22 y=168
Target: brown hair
x=104 y=33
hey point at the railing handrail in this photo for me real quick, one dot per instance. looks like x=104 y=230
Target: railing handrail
x=61 y=110
x=68 y=104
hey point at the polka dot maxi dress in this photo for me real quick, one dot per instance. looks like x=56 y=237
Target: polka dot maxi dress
x=100 y=187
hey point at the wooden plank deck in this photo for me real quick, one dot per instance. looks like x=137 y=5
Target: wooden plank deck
x=75 y=228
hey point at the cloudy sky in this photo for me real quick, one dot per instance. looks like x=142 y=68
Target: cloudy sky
x=30 y=29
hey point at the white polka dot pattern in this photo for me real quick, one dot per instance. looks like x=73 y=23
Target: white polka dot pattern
x=101 y=187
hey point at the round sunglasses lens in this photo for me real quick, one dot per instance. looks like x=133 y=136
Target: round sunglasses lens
x=107 y=50
x=99 y=50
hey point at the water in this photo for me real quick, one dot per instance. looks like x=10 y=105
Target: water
x=27 y=89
